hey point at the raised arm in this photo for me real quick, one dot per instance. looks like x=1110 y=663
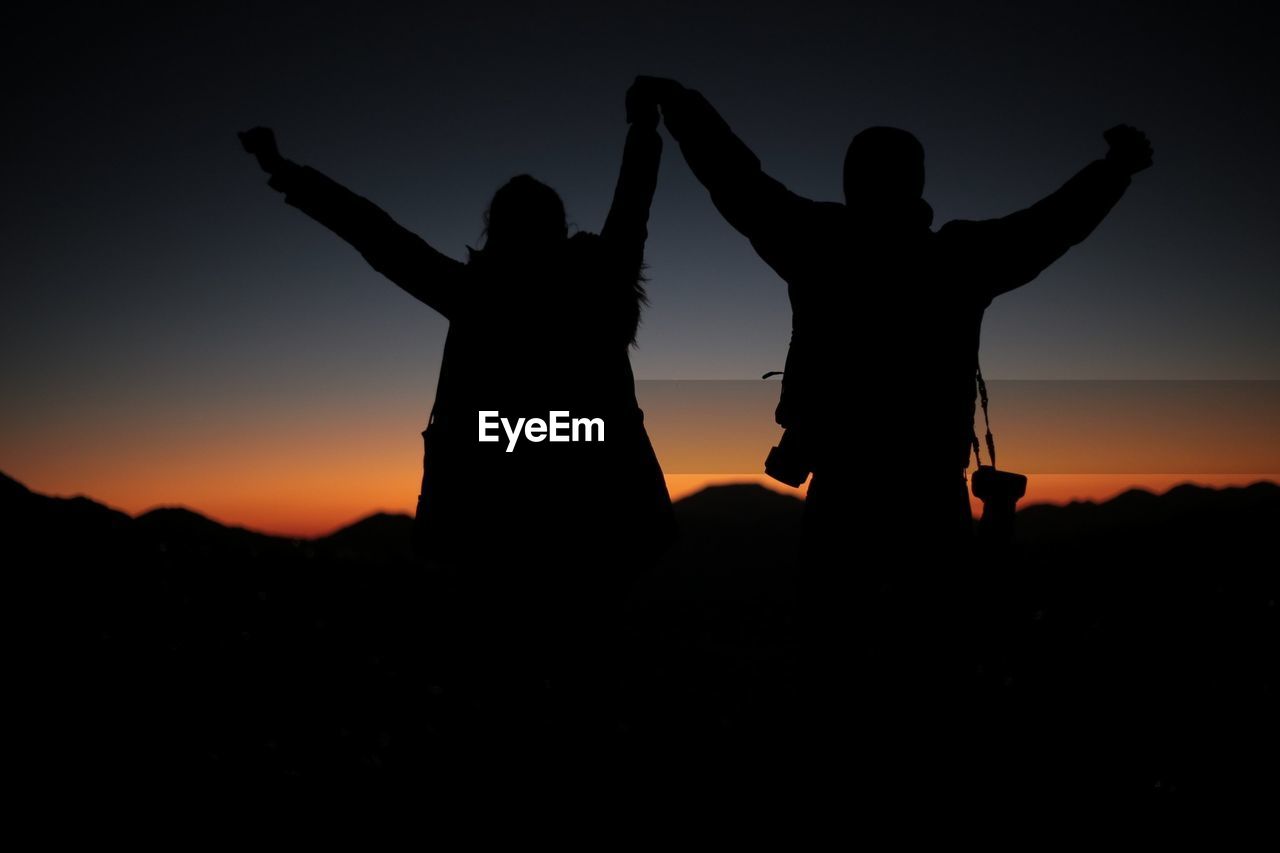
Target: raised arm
x=1008 y=252
x=626 y=227
x=390 y=248
x=754 y=203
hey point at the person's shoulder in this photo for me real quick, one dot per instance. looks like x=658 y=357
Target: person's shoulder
x=588 y=246
x=957 y=226
x=821 y=217
x=959 y=232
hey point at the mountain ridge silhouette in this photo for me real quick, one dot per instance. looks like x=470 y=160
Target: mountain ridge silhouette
x=1129 y=641
x=738 y=505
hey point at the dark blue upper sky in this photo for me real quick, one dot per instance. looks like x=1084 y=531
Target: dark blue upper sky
x=147 y=267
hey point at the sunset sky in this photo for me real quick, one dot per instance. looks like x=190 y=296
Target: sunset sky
x=173 y=333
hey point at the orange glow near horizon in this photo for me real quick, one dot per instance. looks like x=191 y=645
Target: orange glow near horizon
x=294 y=509
x=305 y=466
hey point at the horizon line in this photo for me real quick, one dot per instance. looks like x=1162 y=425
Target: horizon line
x=758 y=480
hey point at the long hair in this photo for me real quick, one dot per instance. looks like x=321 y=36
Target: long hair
x=526 y=214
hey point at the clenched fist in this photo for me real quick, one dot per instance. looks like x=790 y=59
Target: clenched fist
x=1130 y=149
x=261 y=143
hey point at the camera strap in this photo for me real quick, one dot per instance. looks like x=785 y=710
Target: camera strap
x=986 y=417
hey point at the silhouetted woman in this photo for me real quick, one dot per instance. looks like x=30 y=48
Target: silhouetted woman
x=538 y=533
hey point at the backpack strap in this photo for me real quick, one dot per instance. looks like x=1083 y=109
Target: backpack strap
x=986 y=417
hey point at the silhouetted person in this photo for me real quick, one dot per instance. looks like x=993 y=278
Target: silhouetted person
x=878 y=391
x=535 y=540
x=879 y=384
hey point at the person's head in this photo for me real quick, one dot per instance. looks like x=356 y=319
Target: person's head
x=525 y=214
x=884 y=174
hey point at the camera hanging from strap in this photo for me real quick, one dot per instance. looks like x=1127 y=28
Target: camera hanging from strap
x=999 y=491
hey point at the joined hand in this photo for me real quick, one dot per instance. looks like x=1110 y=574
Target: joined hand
x=646 y=95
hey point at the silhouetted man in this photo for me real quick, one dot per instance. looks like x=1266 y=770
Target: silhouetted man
x=878 y=404
x=878 y=391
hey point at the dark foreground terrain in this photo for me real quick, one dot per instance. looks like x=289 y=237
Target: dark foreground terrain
x=1125 y=648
